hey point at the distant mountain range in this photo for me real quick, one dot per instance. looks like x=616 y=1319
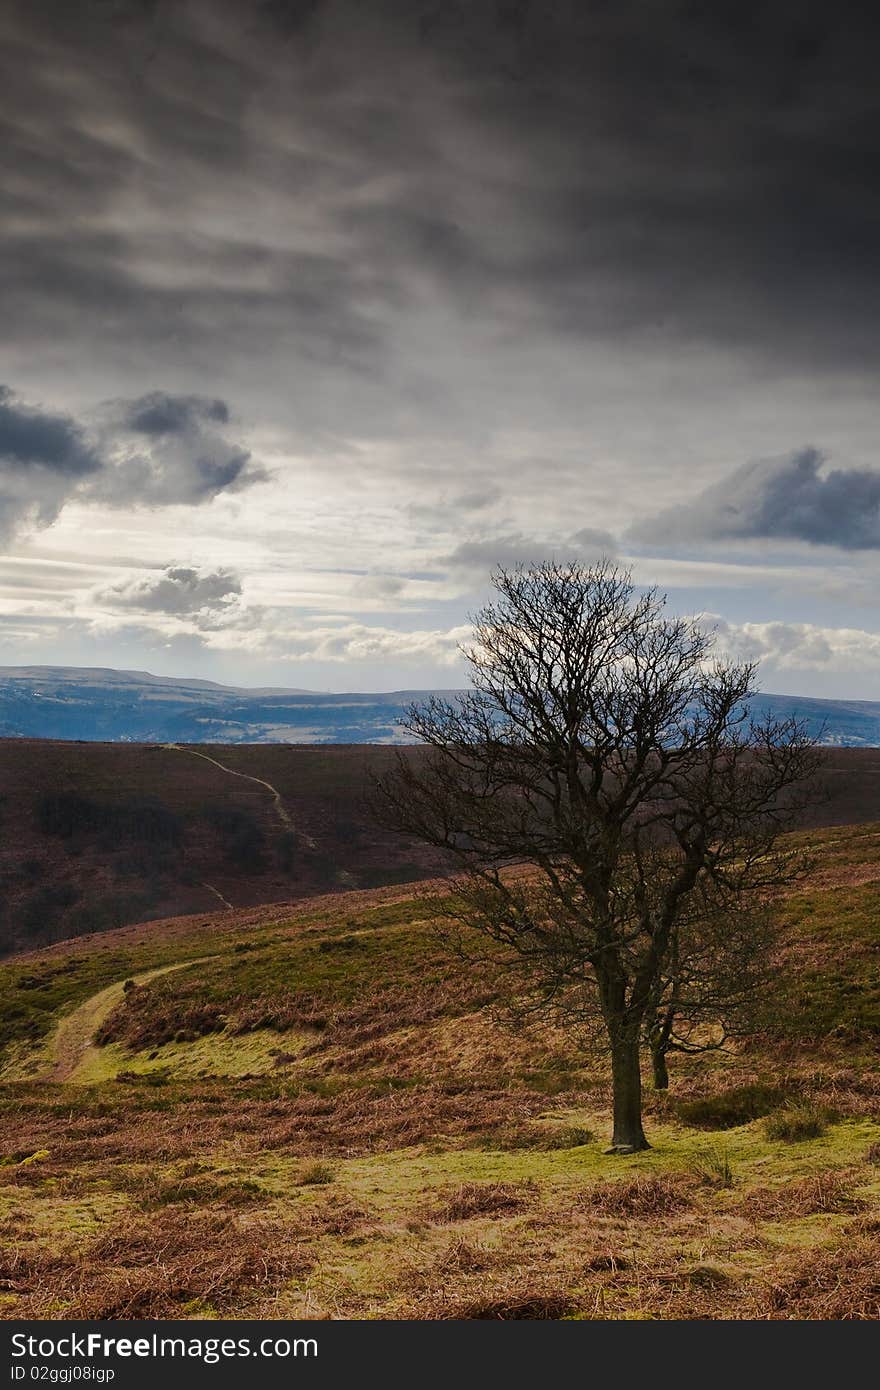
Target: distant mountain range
x=93 y=703
x=98 y=704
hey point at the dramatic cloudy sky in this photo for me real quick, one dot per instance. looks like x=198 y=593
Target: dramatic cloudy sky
x=314 y=310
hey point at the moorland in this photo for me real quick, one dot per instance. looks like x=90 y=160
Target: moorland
x=95 y=836
x=315 y=1110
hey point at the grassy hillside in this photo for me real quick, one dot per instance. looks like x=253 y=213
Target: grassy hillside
x=93 y=836
x=319 y=1112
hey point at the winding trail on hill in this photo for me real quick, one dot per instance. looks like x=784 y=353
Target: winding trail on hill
x=230 y=907
x=280 y=808
x=72 y=1041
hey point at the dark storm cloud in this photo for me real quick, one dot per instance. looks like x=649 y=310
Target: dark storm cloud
x=791 y=498
x=177 y=590
x=169 y=449
x=34 y=438
x=160 y=413
x=157 y=450
x=44 y=457
x=281 y=186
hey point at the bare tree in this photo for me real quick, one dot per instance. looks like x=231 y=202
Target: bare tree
x=602 y=746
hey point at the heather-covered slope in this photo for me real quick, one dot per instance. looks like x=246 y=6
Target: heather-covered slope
x=317 y=1111
x=95 y=835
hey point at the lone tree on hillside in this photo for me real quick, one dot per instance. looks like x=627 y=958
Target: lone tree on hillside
x=603 y=746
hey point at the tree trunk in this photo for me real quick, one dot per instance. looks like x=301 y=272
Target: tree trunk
x=628 y=1136
x=658 y=1039
x=661 y=1073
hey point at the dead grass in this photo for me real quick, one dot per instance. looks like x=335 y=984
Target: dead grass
x=152 y=1015
x=639 y=1196
x=152 y=1192
x=473 y=1199
x=466 y=1183
x=824 y=1192
x=795 y=1123
x=160 y=1268
x=337 y=1216
x=502 y=1301
x=541 y=1138
x=728 y=1109
x=469 y=1281
x=316 y=1174
x=463 y=1257
x=841 y=1284
x=143 y=1124
x=278 y=1012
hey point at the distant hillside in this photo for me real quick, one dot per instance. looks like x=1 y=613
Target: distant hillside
x=835 y=723
x=97 y=835
x=97 y=704
x=133 y=706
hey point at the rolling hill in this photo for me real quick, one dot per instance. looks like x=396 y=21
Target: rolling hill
x=317 y=1111
x=96 y=835
x=133 y=706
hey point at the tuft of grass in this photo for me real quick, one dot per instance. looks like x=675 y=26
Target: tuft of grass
x=873 y=1153
x=337 y=1216
x=341 y=943
x=606 y=1261
x=568 y=1137
x=516 y=1299
x=543 y=1139
x=713 y=1168
x=842 y=1284
x=824 y=1192
x=317 y=1174
x=154 y=1193
x=159 y=1077
x=795 y=1123
x=165 y=1265
x=157 y=1013
x=708 y=1277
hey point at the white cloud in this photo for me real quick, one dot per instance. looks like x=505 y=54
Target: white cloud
x=482 y=554
x=276 y=634
x=358 y=642
x=800 y=646
x=178 y=589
